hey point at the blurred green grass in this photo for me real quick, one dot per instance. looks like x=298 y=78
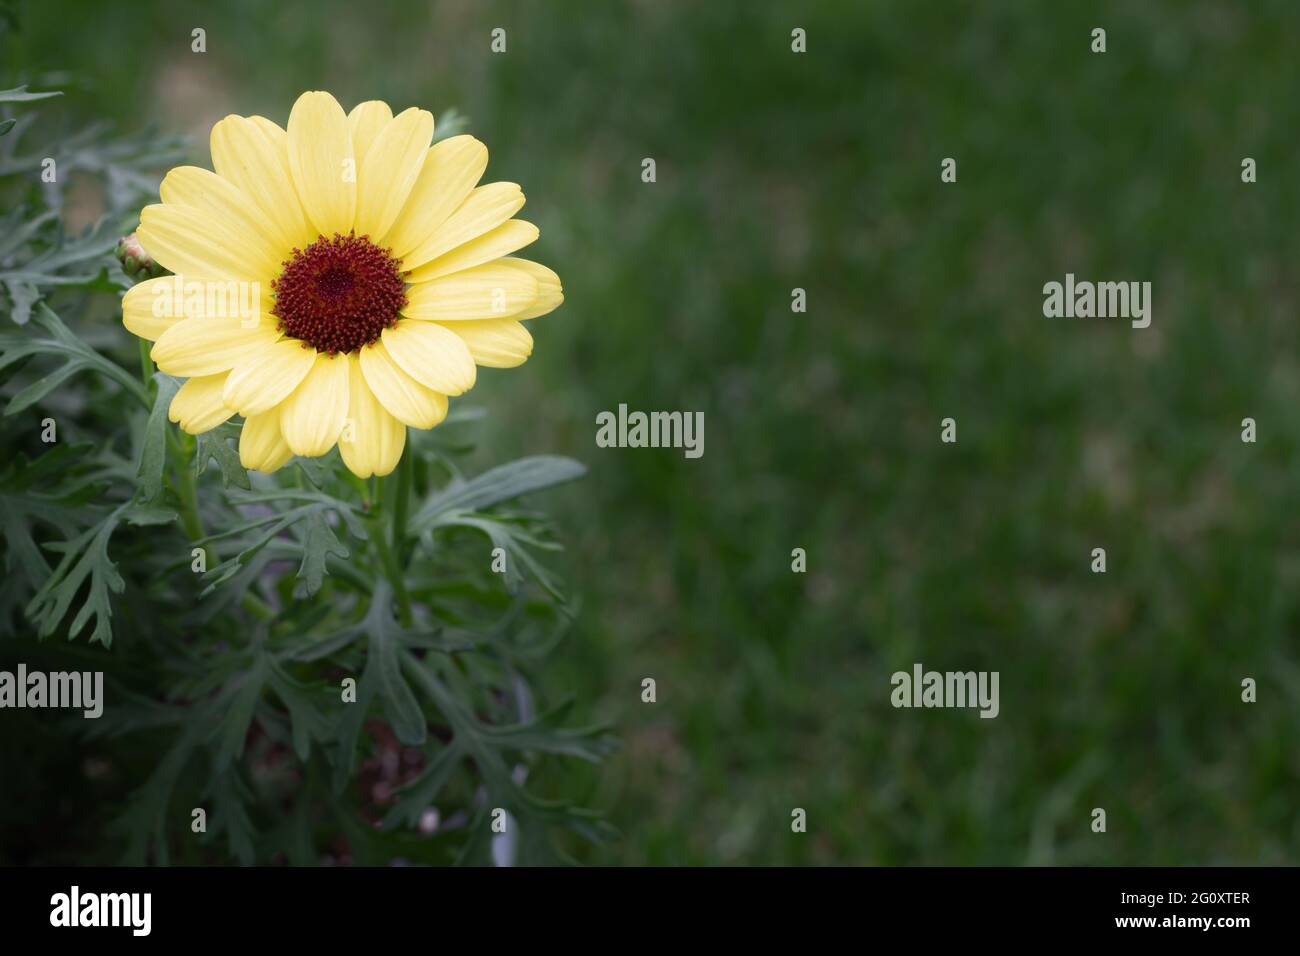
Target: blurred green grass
x=821 y=171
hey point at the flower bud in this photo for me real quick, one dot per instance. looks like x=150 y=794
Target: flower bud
x=136 y=262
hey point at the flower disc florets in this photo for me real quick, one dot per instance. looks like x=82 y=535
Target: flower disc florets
x=339 y=294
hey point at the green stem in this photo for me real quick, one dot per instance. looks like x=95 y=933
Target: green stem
x=405 y=473
x=361 y=486
x=146 y=363
x=393 y=571
x=186 y=489
x=255 y=606
x=396 y=495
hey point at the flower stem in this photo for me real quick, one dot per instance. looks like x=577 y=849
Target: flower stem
x=396 y=494
x=186 y=488
x=405 y=474
x=255 y=606
x=146 y=363
x=393 y=571
x=361 y=486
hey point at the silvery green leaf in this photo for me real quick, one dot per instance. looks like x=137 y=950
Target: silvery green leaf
x=59 y=342
x=318 y=542
x=499 y=484
x=215 y=445
x=153 y=452
x=19 y=94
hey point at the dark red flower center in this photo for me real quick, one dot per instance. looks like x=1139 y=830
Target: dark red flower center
x=339 y=294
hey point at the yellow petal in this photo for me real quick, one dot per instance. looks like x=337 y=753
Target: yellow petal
x=493 y=244
x=154 y=306
x=186 y=241
x=450 y=170
x=151 y=307
x=222 y=203
x=372 y=440
x=207 y=346
x=496 y=290
x=323 y=163
x=389 y=170
x=197 y=406
x=405 y=399
x=486 y=208
x=496 y=343
x=261 y=445
x=274 y=132
x=430 y=354
x=549 y=292
x=312 y=417
x=256 y=160
x=265 y=378
x=365 y=121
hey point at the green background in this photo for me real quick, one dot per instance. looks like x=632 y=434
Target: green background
x=820 y=171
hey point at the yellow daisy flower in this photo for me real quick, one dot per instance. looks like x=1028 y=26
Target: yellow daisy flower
x=334 y=282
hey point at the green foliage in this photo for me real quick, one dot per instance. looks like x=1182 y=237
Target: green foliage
x=233 y=612
x=65 y=346
x=36 y=170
